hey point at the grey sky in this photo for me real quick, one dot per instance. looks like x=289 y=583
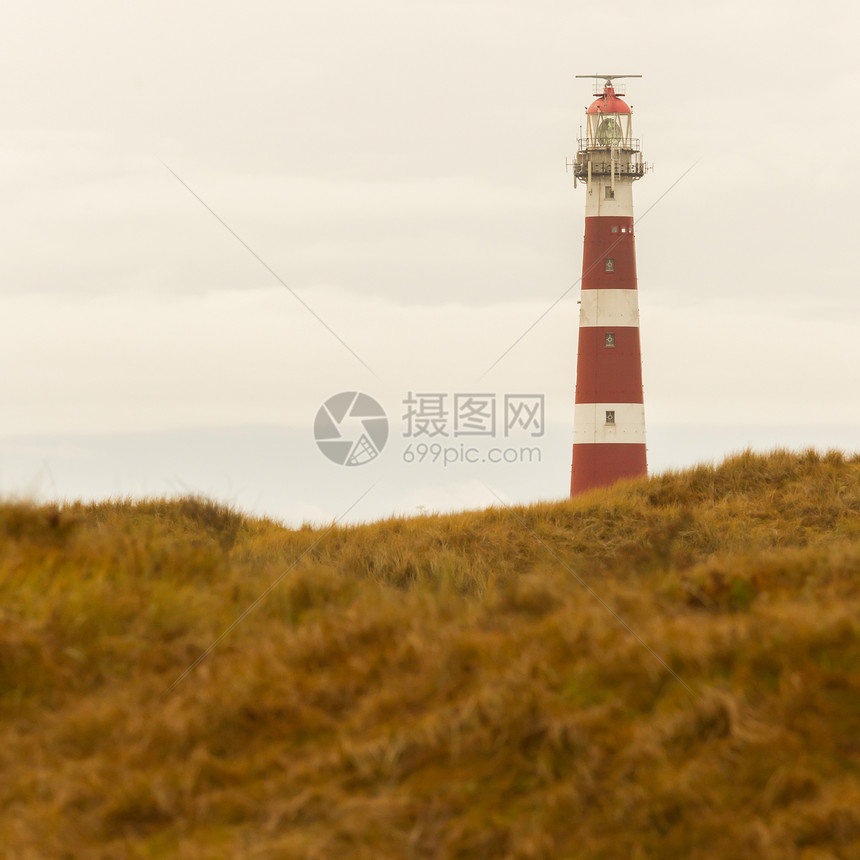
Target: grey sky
x=401 y=166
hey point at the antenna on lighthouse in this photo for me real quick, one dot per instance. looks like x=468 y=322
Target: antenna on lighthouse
x=607 y=79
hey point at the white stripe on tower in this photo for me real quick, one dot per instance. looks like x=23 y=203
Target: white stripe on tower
x=609 y=308
x=609 y=423
x=619 y=206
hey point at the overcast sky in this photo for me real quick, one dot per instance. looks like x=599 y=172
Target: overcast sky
x=401 y=167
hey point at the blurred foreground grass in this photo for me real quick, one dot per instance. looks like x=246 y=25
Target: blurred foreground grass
x=441 y=687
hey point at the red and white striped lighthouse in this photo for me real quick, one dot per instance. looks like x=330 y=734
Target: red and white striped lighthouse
x=609 y=417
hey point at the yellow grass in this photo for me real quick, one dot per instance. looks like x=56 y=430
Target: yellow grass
x=442 y=687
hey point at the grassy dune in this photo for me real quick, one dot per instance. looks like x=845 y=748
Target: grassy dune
x=442 y=687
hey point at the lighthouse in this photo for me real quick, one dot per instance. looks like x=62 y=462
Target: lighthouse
x=609 y=415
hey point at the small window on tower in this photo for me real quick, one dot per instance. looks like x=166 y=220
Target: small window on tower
x=610 y=264
x=610 y=416
x=615 y=230
x=623 y=229
x=610 y=193
x=609 y=340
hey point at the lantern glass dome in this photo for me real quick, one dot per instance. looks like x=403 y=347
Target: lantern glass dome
x=609 y=131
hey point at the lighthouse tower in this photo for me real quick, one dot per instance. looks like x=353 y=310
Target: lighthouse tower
x=609 y=417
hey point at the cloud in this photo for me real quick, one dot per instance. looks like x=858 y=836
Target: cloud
x=135 y=362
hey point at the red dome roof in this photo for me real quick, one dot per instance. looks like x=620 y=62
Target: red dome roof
x=609 y=103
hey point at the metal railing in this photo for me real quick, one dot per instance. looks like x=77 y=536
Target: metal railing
x=636 y=168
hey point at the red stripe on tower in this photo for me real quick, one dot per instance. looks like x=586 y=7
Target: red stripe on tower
x=609 y=417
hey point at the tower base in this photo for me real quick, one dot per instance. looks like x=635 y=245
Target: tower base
x=602 y=464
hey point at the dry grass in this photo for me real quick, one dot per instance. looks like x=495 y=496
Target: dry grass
x=441 y=687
